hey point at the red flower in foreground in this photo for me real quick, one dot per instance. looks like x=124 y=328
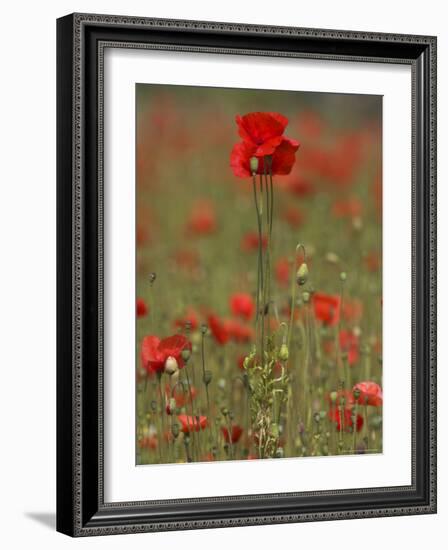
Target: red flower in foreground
x=155 y=352
x=218 y=330
x=250 y=242
x=235 y=435
x=335 y=416
x=349 y=343
x=242 y=304
x=327 y=308
x=192 y=423
x=371 y=393
x=262 y=135
x=142 y=308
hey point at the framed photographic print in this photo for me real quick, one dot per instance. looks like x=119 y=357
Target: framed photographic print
x=246 y=274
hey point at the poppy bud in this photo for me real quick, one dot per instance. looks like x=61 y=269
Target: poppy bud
x=343 y=276
x=152 y=277
x=204 y=329
x=171 y=365
x=253 y=163
x=186 y=354
x=302 y=274
x=175 y=430
x=153 y=405
x=305 y=297
x=333 y=396
x=283 y=353
x=356 y=393
x=207 y=378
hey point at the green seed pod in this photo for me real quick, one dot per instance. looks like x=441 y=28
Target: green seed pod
x=153 y=405
x=253 y=163
x=175 y=430
x=302 y=274
x=343 y=276
x=333 y=396
x=186 y=354
x=306 y=297
x=207 y=377
x=356 y=393
x=204 y=329
x=283 y=354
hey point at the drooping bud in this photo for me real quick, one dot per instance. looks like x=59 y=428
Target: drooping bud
x=253 y=163
x=207 y=377
x=171 y=366
x=283 y=354
x=302 y=274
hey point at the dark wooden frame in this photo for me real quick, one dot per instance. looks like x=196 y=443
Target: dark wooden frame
x=81 y=39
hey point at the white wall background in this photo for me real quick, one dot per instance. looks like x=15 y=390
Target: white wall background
x=27 y=273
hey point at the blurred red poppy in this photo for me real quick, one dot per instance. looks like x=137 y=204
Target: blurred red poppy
x=372 y=261
x=293 y=216
x=192 y=423
x=282 y=271
x=347 y=208
x=190 y=319
x=349 y=343
x=301 y=187
x=335 y=416
x=218 y=330
x=327 y=308
x=235 y=434
x=148 y=442
x=310 y=125
x=352 y=310
x=187 y=259
x=237 y=331
x=242 y=304
x=202 y=220
x=155 y=352
x=250 y=241
x=142 y=308
x=262 y=135
x=370 y=393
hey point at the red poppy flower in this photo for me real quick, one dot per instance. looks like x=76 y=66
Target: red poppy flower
x=155 y=352
x=327 y=308
x=187 y=259
x=218 y=330
x=242 y=304
x=335 y=416
x=237 y=331
x=236 y=434
x=262 y=135
x=371 y=393
x=343 y=397
x=282 y=161
x=301 y=187
x=190 y=318
x=202 y=220
x=142 y=308
x=282 y=271
x=293 y=216
x=250 y=242
x=192 y=423
x=349 y=343
x=149 y=442
x=348 y=208
x=352 y=310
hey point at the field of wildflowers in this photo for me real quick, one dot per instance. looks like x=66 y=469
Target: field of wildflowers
x=259 y=290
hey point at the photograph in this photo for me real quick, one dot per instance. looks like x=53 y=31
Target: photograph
x=258 y=235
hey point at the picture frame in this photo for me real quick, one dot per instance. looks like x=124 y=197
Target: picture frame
x=81 y=506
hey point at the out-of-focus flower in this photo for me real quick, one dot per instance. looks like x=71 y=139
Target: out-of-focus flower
x=250 y=241
x=235 y=435
x=301 y=187
x=202 y=220
x=347 y=208
x=293 y=216
x=155 y=353
x=187 y=259
x=372 y=261
x=181 y=396
x=218 y=329
x=148 y=442
x=310 y=125
x=370 y=393
x=349 y=343
x=192 y=423
x=262 y=135
x=142 y=308
x=282 y=271
x=327 y=308
x=345 y=421
x=190 y=319
x=237 y=331
x=352 y=310
x=242 y=304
